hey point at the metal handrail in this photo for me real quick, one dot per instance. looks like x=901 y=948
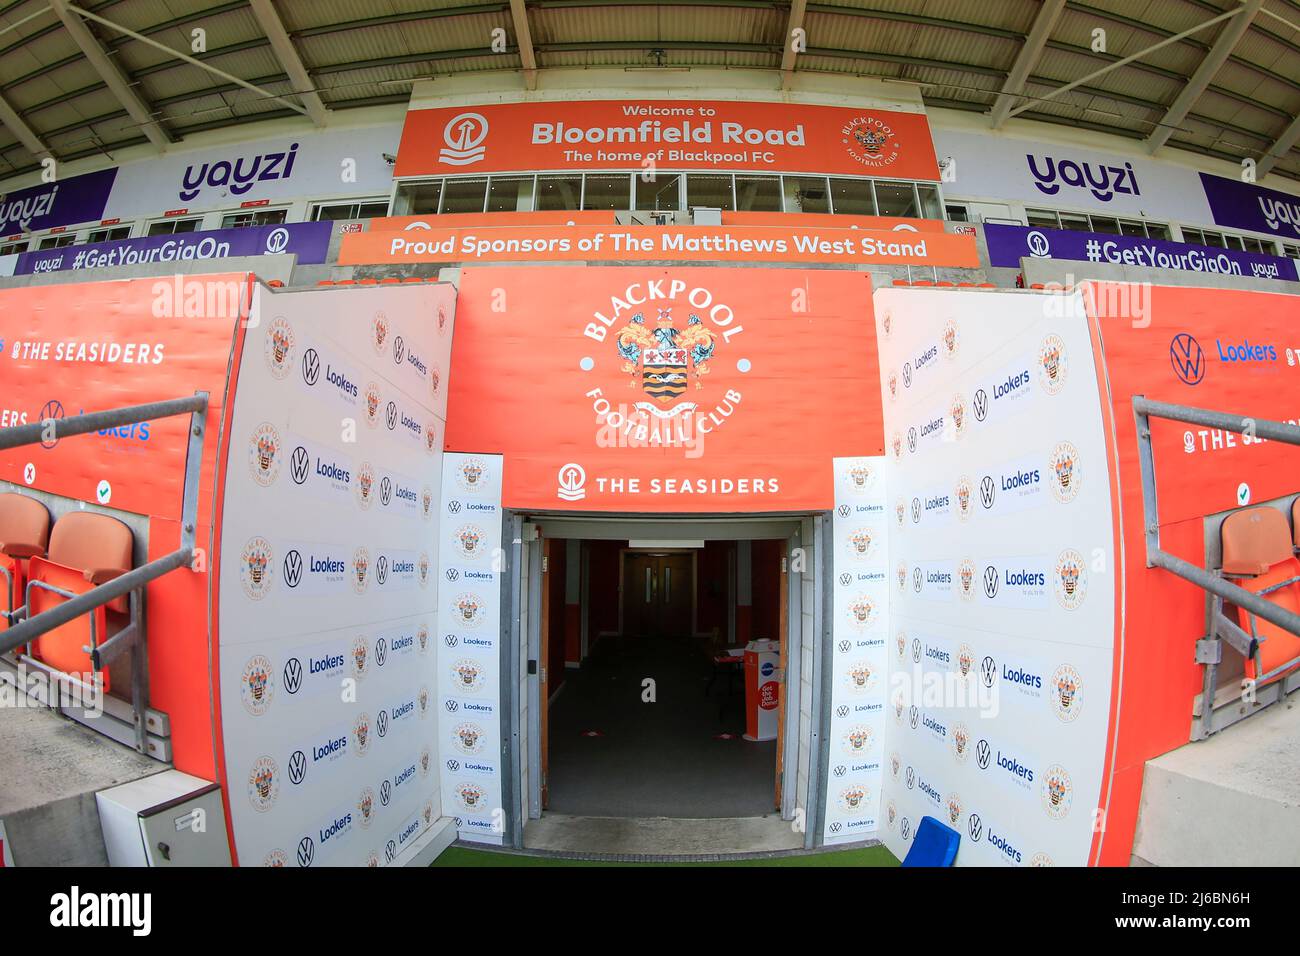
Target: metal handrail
x=24 y=629
x=1221 y=627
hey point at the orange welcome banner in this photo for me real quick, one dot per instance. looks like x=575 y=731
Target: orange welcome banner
x=807 y=244
x=563 y=135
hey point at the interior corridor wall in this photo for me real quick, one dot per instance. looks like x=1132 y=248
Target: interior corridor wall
x=1003 y=574
x=328 y=545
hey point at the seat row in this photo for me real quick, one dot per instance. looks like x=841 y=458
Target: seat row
x=44 y=563
x=1259 y=551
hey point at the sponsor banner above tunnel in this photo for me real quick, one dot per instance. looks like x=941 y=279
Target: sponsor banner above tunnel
x=665 y=390
x=703 y=244
x=670 y=134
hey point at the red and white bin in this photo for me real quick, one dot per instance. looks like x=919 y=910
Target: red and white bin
x=762 y=689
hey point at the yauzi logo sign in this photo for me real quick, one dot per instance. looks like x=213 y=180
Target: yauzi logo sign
x=665 y=360
x=238 y=175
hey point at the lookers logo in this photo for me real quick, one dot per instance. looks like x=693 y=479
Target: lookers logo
x=238 y=175
x=1104 y=182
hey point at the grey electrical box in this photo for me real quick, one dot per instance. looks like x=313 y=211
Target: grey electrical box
x=167 y=819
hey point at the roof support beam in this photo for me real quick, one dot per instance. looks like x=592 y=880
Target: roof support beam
x=111 y=74
x=181 y=56
x=1132 y=57
x=788 y=52
x=1284 y=144
x=524 y=40
x=1027 y=58
x=1214 y=60
x=24 y=133
x=287 y=54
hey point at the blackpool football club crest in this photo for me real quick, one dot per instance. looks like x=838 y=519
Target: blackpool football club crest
x=275 y=858
x=1057 y=792
x=964 y=489
x=859 y=544
x=861 y=678
x=256 y=685
x=858 y=740
x=426 y=502
x=1041 y=859
x=663 y=359
x=470 y=541
x=359 y=657
x=471 y=797
x=379 y=332
x=426 y=761
x=1071 y=579
x=951 y=339
x=468 y=738
x=263 y=784
x=871 y=141
x=1066 y=693
x=361 y=734
x=957 y=410
x=472 y=475
x=365 y=485
x=861 y=476
x=280 y=342
x=366 y=806
x=265 y=454
x=862 y=613
x=374 y=400
x=255 y=568
x=468 y=610
x=887 y=324
x=853 y=800
x=1066 y=473
x=467 y=676
x=360 y=574
x=959 y=741
x=1052 y=366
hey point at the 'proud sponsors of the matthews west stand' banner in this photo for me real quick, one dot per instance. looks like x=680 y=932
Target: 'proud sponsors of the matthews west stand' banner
x=1009 y=244
x=308 y=240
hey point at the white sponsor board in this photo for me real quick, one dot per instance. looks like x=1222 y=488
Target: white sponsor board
x=861 y=606
x=469 y=652
x=1001 y=559
x=329 y=542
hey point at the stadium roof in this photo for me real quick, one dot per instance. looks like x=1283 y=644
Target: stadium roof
x=1218 y=77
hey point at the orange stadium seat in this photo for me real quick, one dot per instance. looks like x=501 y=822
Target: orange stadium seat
x=1257 y=546
x=24 y=534
x=85 y=550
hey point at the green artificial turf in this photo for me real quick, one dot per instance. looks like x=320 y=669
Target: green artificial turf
x=464 y=856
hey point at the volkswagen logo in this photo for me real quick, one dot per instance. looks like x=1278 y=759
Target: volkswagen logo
x=846 y=579
x=906 y=828
x=293 y=569
x=399 y=350
x=451 y=640
x=916 y=580
x=390 y=851
x=981 y=404
x=310 y=366
x=975 y=827
x=1187 y=358
x=452 y=574
x=911 y=439
x=909 y=775
x=845 y=647
x=840 y=770
x=914 y=715
x=390 y=415
x=453 y=765
x=835 y=827
x=988 y=491
x=381 y=569
x=51 y=411
x=385 y=491
x=385 y=792
x=381 y=723
x=381 y=651
x=983 y=754
x=843 y=511
x=916 y=511
x=453 y=507
x=991 y=582
x=907 y=375
x=916 y=650
x=452 y=706
x=988 y=671
x=299 y=465
x=297 y=766
x=306 y=851
x=842 y=710
x=293 y=675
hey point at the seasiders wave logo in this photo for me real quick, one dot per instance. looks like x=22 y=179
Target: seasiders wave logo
x=871 y=141
x=665 y=360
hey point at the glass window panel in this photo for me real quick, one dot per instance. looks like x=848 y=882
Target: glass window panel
x=607 y=192
x=1193 y=236
x=662 y=193
x=806 y=194
x=896 y=199
x=711 y=191
x=1157 y=230
x=1254 y=245
x=931 y=208
x=167 y=227
x=956 y=213
x=463 y=195
x=58 y=242
x=1128 y=228
x=758 y=193
x=108 y=235
x=13 y=248
x=853 y=197
x=1214 y=239
x=1043 y=218
x=1105 y=224
x=422 y=198
x=559 y=192
x=1234 y=242
x=265 y=217
x=510 y=194
x=1075 y=221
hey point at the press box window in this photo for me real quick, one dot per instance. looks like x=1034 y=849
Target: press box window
x=956 y=213
x=13 y=248
x=1043 y=219
x=510 y=194
x=662 y=193
x=108 y=235
x=464 y=195
x=261 y=217
x=896 y=199
x=711 y=192
x=853 y=197
x=58 y=242
x=607 y=192
x=806 y=194
x=555 y=193
x=423 y=198
x=365 y=209
x=758 y=193
x=168 y=227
